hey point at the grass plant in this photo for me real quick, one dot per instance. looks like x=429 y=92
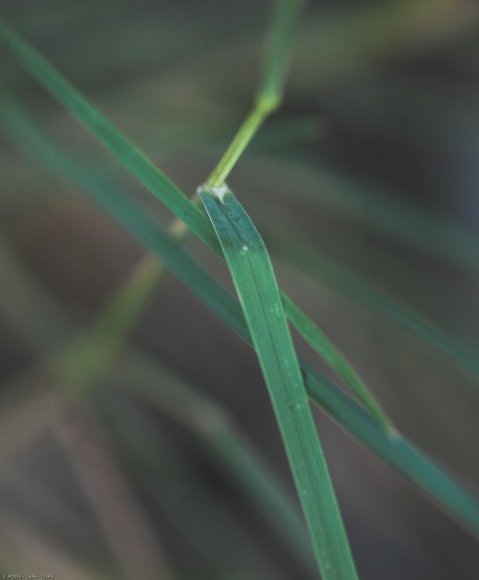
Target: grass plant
x=261 y=316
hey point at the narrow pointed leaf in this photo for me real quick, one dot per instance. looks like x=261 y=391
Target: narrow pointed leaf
x=356 y=289
x=436 y=483
x=321 y=344
x=134 y=160
x=256 y=285
x=137 y=163
x=402 y=455
x=13 y=120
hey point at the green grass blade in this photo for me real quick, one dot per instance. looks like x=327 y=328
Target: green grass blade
x=389 y=215
x=89 y=358
x=18 y=126
x=122 y=148
x=322 y=345
x=402 y=455
x=443 y=489
x=134 y=160
x=255 y=282
x=84 y=363
x=359 y=291
x=277 y=51
x=148 y=174
x=128 y=213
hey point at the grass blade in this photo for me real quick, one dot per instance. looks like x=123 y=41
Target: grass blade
x=402 y=455
x=441 y=488
x=322 y=345
x=88 y=359
x=224 y=440
x=140 y=166
x=84 y=363
x=388 y=214
x=282 y=30
x=358 y=290
x=135 y=161
x=255 y=282
x=206 y=522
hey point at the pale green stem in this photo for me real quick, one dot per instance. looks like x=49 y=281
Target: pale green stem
x=270 y=93
x=243 y=137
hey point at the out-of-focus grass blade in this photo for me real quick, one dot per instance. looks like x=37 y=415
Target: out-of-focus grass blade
x=130 y=156
x=390 y=215
x=89 y=357
x=392 y=218
x=361 y=292
x=25 y=304
x=118 y=205
x=255 y=282
x=107 y=490
x=284 y=22
x=207 y=525
x=224 y=440
x=440 y=487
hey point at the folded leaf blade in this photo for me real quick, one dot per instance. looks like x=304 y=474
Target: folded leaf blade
x=260 y=298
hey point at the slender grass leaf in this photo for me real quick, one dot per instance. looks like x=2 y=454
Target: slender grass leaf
x=203 y=521
x=363 y=293
x=131 y=157
x=122 y=148
x=86 y=361
x=438 y=485
x=255 y=282
x=277 y=52
x=402 y=455
x=19 y=127
x=392 y=216
x=321 y=344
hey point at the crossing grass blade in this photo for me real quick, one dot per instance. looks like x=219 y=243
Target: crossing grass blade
x=256 y=285
x=134 y=160
x=435 y=482
x=15 y=122
x=389 y=215
x=406 y=223
x=356 y=289
x=442 y=488
x=149 y=175
x=321 y=344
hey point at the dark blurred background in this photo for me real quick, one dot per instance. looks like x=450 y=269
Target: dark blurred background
x=372 y=164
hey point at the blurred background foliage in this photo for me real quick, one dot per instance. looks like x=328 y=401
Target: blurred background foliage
x=366 y=178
